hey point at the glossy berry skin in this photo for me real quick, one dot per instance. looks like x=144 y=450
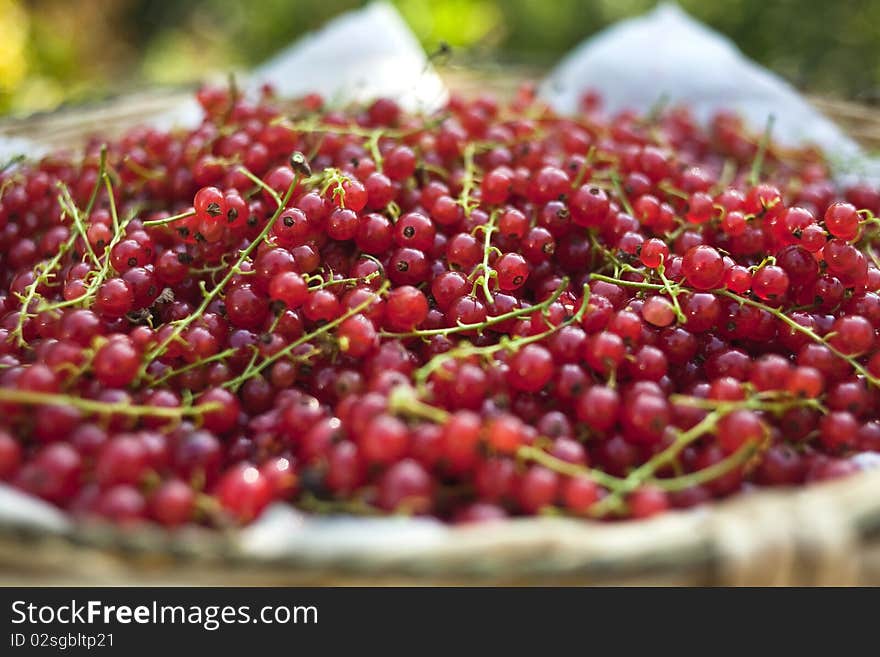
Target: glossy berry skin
x=289 y=288
x=589 y=205
x=10 y=456
x=842 y=220
x=853 y=335
x=357 y=336
x=291 y=228
x=342 y=224
x=513 y=224
x=406 y=308
x=513 y=272
x=496 y=185
x=173 y=503
x=385 y=440
x=224 y=417
x=738 y=279
x=414 y=230
x=703 y=267
x=406 y=486
x=653 y=253
x=599 y=407
x=739 y=428
x=116 y=363
x=837 y=430
x=463 y=251
x=400 y=163
x=645 y=418
x=128 y=254
x=448 y=287
x=531 y=368
x=122 y=460
x=374 y=235
x=460 y=440
x=114 y=298
x=604 y=352
x=580 y=494
x=408 y=266
x=647 y=501
x=209 y=204
x=770 y=283
x=537 y=489
x=244 y=492
x=505 y=433
x=657 y=311
x=123 y=504
x=246 y=308
x=54 y=473
x=466 y=310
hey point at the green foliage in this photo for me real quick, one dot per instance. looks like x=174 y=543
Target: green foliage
x=829 y=47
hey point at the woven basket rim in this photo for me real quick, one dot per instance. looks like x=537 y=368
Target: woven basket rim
x=674 y=542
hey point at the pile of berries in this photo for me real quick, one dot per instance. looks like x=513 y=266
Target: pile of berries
x=487 y=311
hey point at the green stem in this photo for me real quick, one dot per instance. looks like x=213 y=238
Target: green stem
x=8 y=164
x=854 y=363
x=582 y=171
x=141 y=171
x=373 y=147
x=42 y=273
x=711 y=473
x=618 y=188
x=672 y=190
x=342 y=281
x=181 y=325
x=97 y=279
x=619 y=281
x=467 y=185
x=8 y=395
x=67 y=204
x=673 y=292
x=226 y=353
x=810 y=333
x=758 y=162
x=488 y=228
x=111 y=201
x=490 y=321
x=609 y=255
x=403 y=400
x=770 y=401
x=645 y=473
x=350 y=131
x=254 y=370
x=638 y=476
x=466 y=349
x=539 y=456
x=102 y=170
x=171 y=219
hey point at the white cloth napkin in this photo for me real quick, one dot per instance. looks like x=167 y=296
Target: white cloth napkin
x=360 y=55
x=666 y=54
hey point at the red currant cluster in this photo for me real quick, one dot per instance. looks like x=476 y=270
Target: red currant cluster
x=488 y=311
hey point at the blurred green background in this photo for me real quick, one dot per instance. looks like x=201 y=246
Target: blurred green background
x=54 y=51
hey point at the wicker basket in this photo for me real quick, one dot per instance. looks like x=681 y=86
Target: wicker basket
x=826 y=534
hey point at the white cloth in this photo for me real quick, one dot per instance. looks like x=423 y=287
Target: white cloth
x=666 y=54
x=360 y=55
